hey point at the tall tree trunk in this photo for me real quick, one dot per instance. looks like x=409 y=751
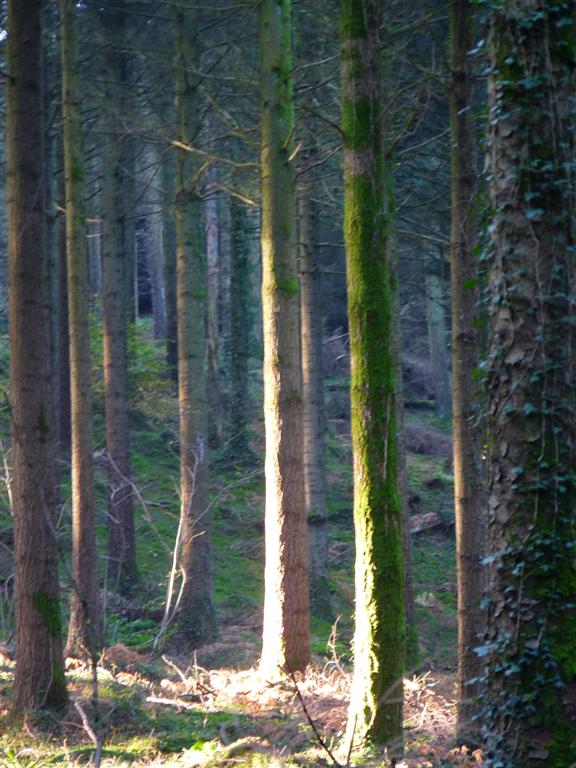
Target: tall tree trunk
x=39 y=679
x=197 y=619
x=239 y=332
x=530 y=717
x=437 y=336
x=122 y=571
x=468 y=495
x=286 y=636
x=212 y=208
x=375 y=715
x=313 y=405
x=169 y=231
x=84 y=635
x=154 y=241
x=63 y=427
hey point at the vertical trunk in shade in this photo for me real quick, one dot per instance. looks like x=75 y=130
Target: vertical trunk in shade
x=39 y=677
x=197 y=618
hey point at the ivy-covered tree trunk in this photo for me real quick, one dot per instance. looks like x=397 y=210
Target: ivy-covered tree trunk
x=313 y=405
x=84 y=626
x=197 y=618
x=375 y=715
x=39 y=678
x=122 y=570
x=468 y=490
x=530 y=718
x=286 y=637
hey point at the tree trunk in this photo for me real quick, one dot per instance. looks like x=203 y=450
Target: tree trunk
x=84 y=634
x=437 y=336
x=375 y=714
x=468 y=492
x=313 y=406
x=169 y=231
x=154 y=242
x=212 y=326
x=530 y=717
x=122 y=571
x=286 y=637
x=239 y=334
x=197 y=619
x=39 y=679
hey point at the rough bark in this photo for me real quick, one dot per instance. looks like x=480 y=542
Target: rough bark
x=286 y=635
x=530 y=717
x=84 y=633
x=468 y=491
x=197 y=618
x=122 y=571
x=313 y=406
x=39 y=678
x=375 y=714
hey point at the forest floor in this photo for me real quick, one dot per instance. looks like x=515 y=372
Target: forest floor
x=212 y=708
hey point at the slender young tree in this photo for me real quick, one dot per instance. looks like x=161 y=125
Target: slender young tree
x=39 y=679
x=468 y=495
x=313 y=404
x=375 y=715
x=84 y=627
x=530 y=717
x=213 y=258
x=122 y=570
x=286 y=636
x=197 y=619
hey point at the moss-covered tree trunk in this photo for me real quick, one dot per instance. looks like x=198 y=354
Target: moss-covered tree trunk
x=375 y=715
x=530 y=719
x=84 y=627
x=39 y=678
x=468 y=491
x=122 y=570
x=313 y=404
x=286 y=638
x=197 y=618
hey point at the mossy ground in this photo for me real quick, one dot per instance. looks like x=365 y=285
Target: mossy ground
x=196 y=723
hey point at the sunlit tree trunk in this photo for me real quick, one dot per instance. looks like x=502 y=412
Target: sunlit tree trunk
x=375 y=714
x=39 y=677
x=197 y=619
x=122 y=571
x=286 y=637
x=530 y=717
x=468 y=496
x=84 y=627
x=313 y=405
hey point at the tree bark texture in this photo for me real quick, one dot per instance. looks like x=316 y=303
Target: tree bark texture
x=169 y=231
x=530 y=717
x=39 y=679
x=197 y=619
x=122 y=571
x=84 y=633
x=375 y=714
x=286 y=636
x=468 y=486
x=438 y=340
x=154 y=241
x=313 y=405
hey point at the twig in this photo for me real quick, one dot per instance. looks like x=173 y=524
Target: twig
x=313 y=725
